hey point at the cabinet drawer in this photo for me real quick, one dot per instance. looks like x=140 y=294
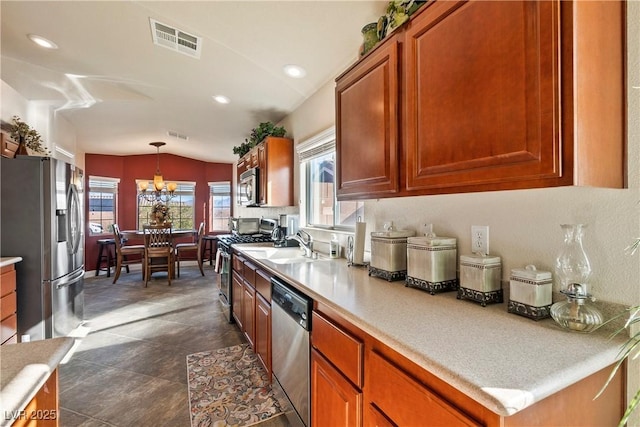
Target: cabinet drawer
x=405 y=401
x=263 y=284
x=7 y=280
x=238 y=264
x=250 y=273
x=340 y=347
x=8 y=327
x=7 y=305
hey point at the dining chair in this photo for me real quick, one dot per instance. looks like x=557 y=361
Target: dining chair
x=123 y=251
x=159 y=252
x=184 y=249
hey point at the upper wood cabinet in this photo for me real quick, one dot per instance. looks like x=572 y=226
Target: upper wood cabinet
x=493 y=96
x=274 y=159
x=367 y=140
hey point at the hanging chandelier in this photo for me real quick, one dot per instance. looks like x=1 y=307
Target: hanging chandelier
x=159 y=193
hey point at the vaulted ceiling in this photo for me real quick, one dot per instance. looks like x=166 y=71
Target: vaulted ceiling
x=120 y=91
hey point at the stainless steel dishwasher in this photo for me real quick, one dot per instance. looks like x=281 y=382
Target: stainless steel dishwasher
x=290 y=326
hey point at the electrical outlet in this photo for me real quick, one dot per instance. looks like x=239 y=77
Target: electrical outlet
x=480 y=239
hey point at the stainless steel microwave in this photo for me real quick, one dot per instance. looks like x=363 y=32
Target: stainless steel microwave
x=248 y=188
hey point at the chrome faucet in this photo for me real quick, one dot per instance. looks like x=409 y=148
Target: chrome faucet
x=305 y=240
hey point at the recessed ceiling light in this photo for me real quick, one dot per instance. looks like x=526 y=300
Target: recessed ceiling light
x=294 y=71
x=221 y=99
x=42 y=42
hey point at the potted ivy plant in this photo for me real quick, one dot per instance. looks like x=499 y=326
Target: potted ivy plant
x=631 y=348
x=258 y=134
x=27 y=137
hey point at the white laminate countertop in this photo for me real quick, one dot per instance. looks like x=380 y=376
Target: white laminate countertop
x=8 y=260
x=504 y=361
x=24 y=368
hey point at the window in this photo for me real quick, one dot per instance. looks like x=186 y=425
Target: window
x=181 y=207
x=320 y=207
x=103 y=193
x=219 y=205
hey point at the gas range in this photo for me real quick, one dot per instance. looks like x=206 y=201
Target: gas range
x=224 y=252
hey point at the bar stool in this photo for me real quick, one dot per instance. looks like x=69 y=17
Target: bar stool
x=208 y=247
x=106 y=255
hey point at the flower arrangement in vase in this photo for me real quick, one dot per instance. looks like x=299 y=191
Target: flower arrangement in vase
x=160 y=212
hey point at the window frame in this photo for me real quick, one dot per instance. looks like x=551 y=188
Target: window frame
x=213 y=194
x=317 y=146
x=105 y=185
x=180 y=191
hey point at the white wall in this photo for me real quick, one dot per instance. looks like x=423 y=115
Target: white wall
x=56 y=131
x=13 y=104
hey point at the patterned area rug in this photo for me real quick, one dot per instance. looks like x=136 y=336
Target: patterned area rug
x=229 y=387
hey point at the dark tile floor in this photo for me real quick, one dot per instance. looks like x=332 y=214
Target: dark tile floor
x=130 y=370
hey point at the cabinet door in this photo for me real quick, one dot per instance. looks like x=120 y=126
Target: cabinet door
x=334 y=400
x=367 y=139
x=276 y=171
x=263 y=284
x=236 y=299
x=262 y=170
x=263 y=332
x=482 y=95
x=248 y=313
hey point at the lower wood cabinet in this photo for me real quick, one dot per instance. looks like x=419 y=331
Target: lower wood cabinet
x=251 y=304
x=8 y=305
x=357 y=380
x=334 y=400
x=337 y=363
x=248 y=312
x=263 y=332
x=43 y=410
x=236 y=299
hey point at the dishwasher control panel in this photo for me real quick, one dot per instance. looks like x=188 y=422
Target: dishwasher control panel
x=293 y=302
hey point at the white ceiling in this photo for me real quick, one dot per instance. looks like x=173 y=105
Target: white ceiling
x=120 y=91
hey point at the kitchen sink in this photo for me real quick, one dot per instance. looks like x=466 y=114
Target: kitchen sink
x=280 y=255
x=293 y=260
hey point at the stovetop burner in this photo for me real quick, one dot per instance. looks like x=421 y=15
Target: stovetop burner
x=231 y=239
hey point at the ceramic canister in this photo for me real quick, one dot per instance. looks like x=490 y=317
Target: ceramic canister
x=530 y=292
x=389 y=253
x=481 y=273
x=431 y=263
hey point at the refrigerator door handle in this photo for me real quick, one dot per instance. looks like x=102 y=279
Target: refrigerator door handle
x=73 y=220
x=68 y=279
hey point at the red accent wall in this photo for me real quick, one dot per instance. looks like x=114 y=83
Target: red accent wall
x=130 y=168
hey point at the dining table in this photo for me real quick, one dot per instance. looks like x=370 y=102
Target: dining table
x=138 y=235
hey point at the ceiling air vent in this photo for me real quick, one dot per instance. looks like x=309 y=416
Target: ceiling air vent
x=174 y=39
x=178 y=135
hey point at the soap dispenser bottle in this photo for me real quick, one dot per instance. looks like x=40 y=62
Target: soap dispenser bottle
x=334 y=247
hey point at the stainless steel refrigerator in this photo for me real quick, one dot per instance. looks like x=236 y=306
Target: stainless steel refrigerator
x=41 y=220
